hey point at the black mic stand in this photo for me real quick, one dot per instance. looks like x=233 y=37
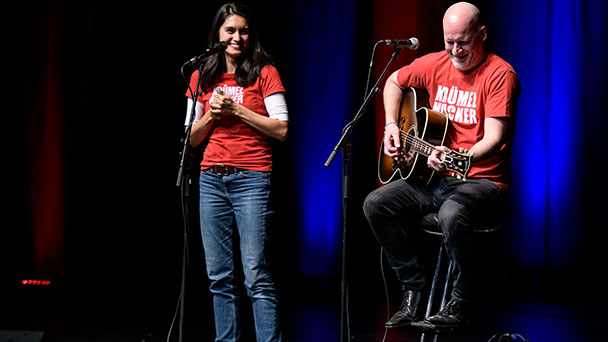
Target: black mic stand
x=345 y=145
x=184 y=183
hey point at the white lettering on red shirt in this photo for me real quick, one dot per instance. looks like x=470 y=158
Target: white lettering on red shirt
x=459 y=105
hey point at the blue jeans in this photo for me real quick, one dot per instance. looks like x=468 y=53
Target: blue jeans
x=239 y=203
x=461 y=207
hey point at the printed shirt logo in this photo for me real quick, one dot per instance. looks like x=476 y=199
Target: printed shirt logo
x=235 y=92
x=459 y=105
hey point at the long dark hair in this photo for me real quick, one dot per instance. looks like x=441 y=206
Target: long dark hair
x=249 y=64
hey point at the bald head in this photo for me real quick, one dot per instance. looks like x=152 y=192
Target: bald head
x=462 y=13
x=464 y=36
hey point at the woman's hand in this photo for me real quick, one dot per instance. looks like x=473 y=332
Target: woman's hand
x=222 y=105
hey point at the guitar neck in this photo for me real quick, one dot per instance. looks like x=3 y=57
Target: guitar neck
x=456 y=162
x=417 y=145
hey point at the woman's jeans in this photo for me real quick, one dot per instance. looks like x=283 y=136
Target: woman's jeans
x=235 y=209
x=461 y=206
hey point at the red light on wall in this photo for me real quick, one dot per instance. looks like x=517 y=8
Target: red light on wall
x=36 y=282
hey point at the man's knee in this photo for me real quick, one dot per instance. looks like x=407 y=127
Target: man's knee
x=452 y=219
x=371 y=204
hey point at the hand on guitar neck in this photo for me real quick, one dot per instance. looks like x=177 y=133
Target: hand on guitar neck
x=436 y=159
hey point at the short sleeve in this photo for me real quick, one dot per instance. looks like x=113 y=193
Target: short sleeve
x=270 y=81
x=504 y=89
x=416 y=74
x=192 y=84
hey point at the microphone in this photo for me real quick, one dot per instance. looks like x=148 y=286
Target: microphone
x=216 y=48
x=411 y=43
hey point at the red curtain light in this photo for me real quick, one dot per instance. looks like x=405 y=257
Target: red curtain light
x=46 y=160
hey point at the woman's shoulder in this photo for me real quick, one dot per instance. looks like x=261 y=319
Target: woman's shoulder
x=269 y=70
x=270 y=80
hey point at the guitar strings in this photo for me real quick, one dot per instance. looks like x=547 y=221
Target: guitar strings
x=423 y=147
x=417 y=143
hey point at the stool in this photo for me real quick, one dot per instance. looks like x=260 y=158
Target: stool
x=429 y=223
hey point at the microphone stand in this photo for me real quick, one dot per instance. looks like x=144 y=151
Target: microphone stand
x=345 y=145
x=191 y=116
x=184 y=184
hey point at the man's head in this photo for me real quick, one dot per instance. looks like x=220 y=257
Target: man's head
x=464 y=36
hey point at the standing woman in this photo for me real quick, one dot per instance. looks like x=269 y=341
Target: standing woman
x=242 y=106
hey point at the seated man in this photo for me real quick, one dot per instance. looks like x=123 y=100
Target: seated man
x=478 y=91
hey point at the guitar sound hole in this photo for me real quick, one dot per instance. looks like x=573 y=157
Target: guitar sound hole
x=407 y=144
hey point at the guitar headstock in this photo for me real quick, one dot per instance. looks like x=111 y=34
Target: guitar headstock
x=459 y=163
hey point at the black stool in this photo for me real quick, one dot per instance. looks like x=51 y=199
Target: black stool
x=430 y=224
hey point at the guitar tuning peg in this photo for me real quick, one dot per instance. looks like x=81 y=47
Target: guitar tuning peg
x=459 y=176
x=460 y=149
x=466 y=151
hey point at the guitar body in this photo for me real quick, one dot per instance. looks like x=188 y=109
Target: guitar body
x=419 y=121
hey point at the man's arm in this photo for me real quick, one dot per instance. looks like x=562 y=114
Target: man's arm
x=392 y=98
x=494 y=132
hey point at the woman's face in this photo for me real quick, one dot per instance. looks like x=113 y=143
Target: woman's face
x=235 y=32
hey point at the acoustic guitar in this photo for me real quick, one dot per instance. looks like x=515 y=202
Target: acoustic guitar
x=420 y=130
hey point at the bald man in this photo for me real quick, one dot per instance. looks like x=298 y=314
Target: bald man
x=478 y=91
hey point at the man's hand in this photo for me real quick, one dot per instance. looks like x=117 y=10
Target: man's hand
x=392 y=143
x=435 y=160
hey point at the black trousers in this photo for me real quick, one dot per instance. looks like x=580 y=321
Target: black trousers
x=461 y=206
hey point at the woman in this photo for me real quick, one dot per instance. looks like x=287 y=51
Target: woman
x=241 y=106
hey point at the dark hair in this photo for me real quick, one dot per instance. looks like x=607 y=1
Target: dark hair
x=249 y=64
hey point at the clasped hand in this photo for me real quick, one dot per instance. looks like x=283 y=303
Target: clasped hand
x=222 y=105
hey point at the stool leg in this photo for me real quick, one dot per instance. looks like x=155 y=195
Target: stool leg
x=445 y=286
x=429 y=305
x=444 y=296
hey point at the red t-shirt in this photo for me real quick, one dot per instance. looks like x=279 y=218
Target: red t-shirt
x=231 y=141
x=489 y=91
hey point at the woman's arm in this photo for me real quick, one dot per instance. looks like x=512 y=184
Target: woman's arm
x=223 y=105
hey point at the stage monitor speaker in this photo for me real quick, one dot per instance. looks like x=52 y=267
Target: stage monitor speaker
x=23 y=336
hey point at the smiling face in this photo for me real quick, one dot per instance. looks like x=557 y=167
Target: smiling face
x=235 y=32
x=464 y=38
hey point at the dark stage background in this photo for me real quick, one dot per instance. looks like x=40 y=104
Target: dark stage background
x=93 y=112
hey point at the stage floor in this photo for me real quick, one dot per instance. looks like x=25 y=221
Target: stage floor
x=94 y=316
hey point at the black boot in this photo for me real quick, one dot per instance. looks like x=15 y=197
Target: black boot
x=453 y=315
x=407 y=310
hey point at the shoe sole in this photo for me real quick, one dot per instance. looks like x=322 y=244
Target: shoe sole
x=428 y=326
x=397 y=325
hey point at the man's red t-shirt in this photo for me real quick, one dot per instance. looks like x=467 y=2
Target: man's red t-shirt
x=489 y=91
x=231 y=141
